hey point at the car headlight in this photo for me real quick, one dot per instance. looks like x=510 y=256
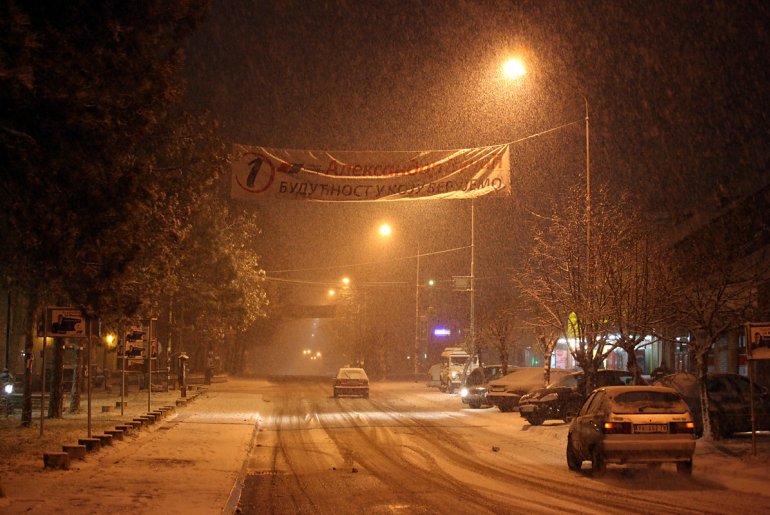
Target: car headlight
x=550 y=397
x=464 y=392
x=454 y=374
x=8 y=388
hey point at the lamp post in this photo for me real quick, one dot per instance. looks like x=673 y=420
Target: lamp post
x=514 y=69
x=416 y=353
x=385 y=230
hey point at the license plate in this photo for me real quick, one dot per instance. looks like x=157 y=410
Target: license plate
x=651 y=428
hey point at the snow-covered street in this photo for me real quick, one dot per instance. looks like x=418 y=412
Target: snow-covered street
x=287 y=446
x=412 y=449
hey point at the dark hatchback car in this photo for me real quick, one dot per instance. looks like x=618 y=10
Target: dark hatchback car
x=729 y=397
x=474 y=391
x=562 y=400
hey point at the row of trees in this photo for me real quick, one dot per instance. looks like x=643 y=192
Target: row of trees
x=112 y=193
x=633 y=279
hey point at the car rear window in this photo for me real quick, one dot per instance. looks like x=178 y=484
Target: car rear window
x=645 y=401
x=352 y=374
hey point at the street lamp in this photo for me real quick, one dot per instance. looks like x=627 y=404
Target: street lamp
x=514 y=69
x=385 y=230
x=109 y=341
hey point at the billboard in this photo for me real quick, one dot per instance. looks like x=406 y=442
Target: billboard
x=758 y=340
x=64 y=322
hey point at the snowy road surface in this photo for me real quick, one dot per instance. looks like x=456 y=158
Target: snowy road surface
x=293 y=448
x=412 y=449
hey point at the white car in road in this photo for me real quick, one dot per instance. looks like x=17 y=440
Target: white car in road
x=632 y=424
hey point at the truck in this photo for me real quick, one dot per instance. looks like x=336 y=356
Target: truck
x=455 y=364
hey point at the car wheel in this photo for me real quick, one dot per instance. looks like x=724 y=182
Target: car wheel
x=474 y=404
x=684 y=467
x=573 y=460
x=504 y=408
x=535 y=420
x=598 y=465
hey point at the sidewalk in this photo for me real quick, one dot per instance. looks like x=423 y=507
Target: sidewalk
x=188 y=462
x=733 y=464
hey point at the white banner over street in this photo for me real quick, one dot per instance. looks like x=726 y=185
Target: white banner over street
x=353 y=176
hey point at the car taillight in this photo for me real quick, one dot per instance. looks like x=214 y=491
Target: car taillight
x=682 y=427
x=616 y=428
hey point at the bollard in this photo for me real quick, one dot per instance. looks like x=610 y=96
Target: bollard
x=116 y=434
x=75 y=452
x=92 y=444
x=56 y=460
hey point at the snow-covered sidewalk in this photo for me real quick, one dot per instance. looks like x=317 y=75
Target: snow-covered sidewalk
x=186 y=463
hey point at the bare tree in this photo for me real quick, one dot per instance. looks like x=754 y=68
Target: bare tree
x=632 y=272
x=500 y=333
x=713 y=284
x=564 y=278
x=546 y=343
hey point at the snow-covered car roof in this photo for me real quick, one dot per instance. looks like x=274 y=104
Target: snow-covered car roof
x=529 y=378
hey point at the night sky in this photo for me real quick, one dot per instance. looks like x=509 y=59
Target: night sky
x=677 y=93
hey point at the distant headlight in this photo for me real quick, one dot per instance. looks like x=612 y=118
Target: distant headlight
x=464 y=392
x=550 y=397
x=8 y=388
x=454 y=374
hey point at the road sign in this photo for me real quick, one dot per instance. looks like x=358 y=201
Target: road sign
x=64 y=322
x=461 y=283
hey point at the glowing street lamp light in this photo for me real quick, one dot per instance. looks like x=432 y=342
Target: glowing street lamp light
x=332 y=292
x=514 y=68
x=385 y=230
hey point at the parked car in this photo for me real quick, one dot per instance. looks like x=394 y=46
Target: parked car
x=474 y=391
x=632 y=424
x=729 y=399
x=562 y=399
x=506 y=391
x=351 y=382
